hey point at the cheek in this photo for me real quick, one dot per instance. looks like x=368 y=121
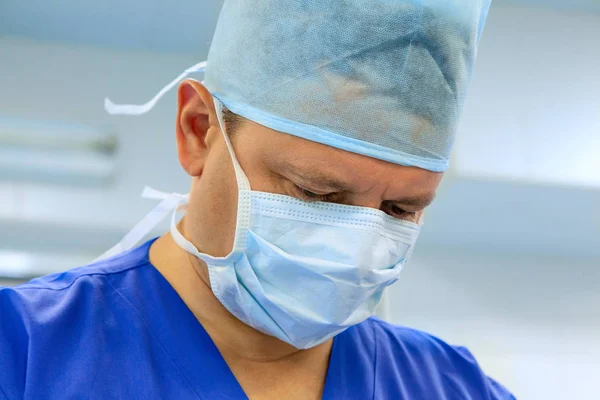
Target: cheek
x=211 y=217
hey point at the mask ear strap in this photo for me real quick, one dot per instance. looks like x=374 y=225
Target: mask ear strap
x=242 y=179
x=171 y=202
x=132 y=109
x=244 y=199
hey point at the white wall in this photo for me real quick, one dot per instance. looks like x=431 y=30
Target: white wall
x=533 y=110
x=57 y=82
x=531 y=318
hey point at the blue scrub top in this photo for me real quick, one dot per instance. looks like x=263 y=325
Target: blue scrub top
x=117 y=330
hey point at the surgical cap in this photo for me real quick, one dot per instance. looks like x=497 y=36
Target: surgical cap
x=382 y=78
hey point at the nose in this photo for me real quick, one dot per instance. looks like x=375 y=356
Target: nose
x=370 y=200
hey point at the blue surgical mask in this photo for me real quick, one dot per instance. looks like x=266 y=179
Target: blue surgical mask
x=300 y=271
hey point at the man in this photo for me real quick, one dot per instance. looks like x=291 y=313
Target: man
x=318 y=138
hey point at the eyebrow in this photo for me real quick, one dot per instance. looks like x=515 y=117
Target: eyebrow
x=317 y=177
x=416 y=201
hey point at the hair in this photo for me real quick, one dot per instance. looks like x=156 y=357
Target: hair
x=232 y=121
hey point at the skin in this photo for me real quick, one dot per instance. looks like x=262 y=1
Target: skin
x=266 y=367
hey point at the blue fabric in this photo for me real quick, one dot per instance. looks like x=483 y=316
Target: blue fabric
x=382 y=78
x=117 y=330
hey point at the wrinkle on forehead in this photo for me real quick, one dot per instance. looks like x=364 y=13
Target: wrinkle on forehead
x=364 y=173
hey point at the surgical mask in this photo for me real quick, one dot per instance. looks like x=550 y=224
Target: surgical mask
x=300 y=271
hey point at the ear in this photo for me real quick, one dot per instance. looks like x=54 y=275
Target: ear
x=196 y=117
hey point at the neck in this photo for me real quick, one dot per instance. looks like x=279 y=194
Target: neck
x=234 y=339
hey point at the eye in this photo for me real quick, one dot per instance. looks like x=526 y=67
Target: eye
x=399 y=212
x=308 y=195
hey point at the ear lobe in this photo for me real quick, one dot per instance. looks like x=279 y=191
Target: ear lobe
x=192 y=125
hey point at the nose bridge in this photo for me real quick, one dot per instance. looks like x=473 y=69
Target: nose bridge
x=371 y=198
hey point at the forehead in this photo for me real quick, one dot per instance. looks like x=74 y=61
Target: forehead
x=280 y=151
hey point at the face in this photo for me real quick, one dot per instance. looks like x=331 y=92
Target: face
x=279 y=163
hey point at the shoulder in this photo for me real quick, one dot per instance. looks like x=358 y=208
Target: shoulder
x=428 y=362
x=30 y=300
x=404 y=340
x=40 y=313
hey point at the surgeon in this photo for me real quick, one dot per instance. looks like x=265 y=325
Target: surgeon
x=315 y=142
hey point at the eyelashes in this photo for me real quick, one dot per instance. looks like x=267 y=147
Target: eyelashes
x=389 y=208
x=308 y=195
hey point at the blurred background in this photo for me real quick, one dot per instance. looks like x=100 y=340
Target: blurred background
x=509 y=260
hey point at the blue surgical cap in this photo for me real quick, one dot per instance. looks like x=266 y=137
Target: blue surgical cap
x=382 y=78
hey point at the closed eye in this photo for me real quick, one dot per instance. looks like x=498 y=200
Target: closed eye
x=308 y=195
x=397 y=212
x=388 y=207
